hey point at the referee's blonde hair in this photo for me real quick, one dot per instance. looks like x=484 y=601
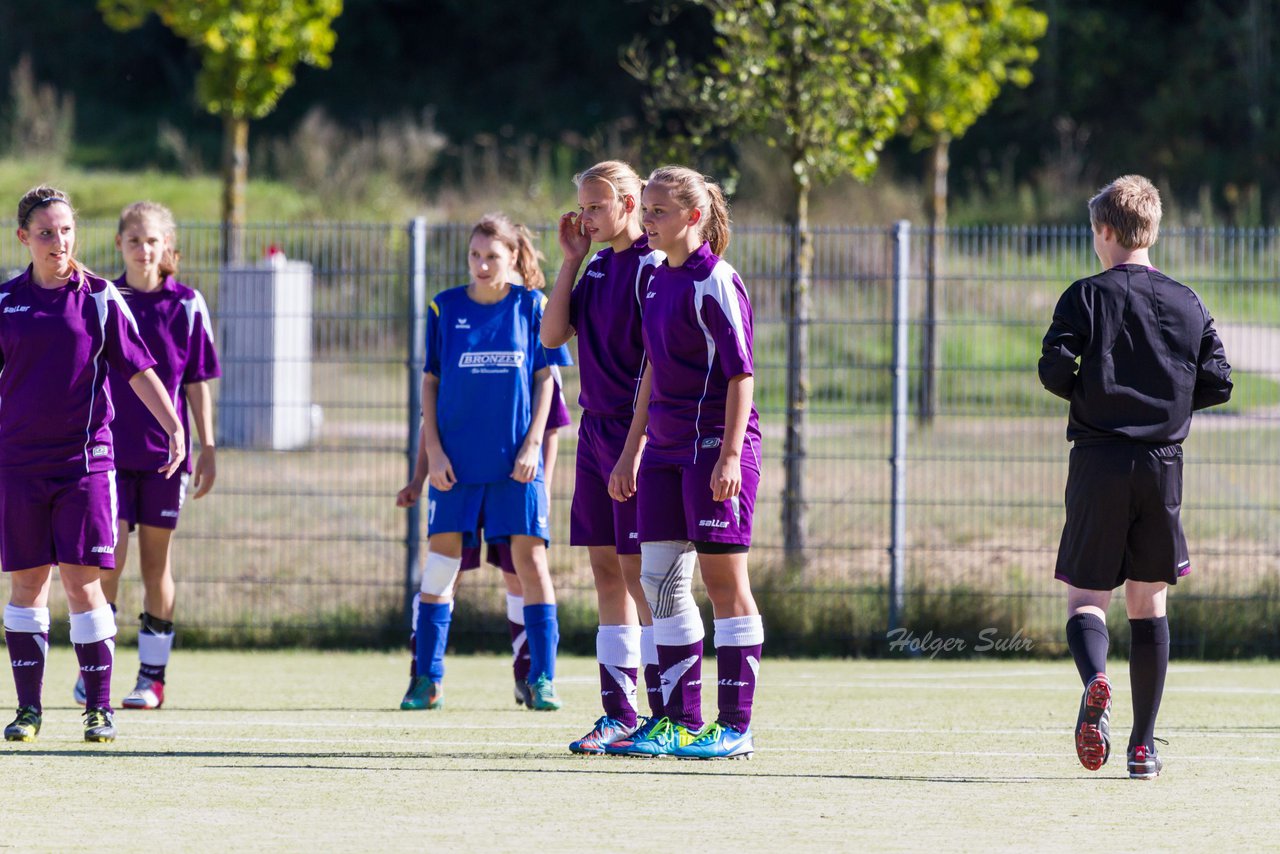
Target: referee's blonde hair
x=1130 y=207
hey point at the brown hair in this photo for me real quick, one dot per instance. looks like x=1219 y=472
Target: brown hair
x=620 y=177
x=38 y=197
x=163 y=217
x=692 y=190
x=1130 y=207
x=520 y=241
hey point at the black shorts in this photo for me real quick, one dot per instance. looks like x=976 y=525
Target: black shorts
x=1123 y=517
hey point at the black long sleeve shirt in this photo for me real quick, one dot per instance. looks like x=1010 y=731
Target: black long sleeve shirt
x=1148 y=357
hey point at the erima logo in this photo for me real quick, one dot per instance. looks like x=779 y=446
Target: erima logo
x=542 y=520
x=100 y=451
x=494 y=359
x=712 y=523
x=595 y=274
x=463 y=323
x=102 y=550
x=710 y=443
x=14 y=309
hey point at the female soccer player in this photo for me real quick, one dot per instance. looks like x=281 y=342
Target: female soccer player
x=61 y=329
x=603 y=310
x=486 y=392
x=700 y=468
x=174 y=323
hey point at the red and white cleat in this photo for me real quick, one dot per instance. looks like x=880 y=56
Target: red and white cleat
x=147 y=694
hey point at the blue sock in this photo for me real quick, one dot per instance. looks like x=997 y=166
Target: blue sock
x=542 y=631
x=432 y=636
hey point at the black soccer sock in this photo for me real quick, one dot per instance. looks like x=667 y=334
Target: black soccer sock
x=1148 y=664
x=1088 y=641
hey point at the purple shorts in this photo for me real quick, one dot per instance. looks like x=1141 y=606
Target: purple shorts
x=559 y=416
x=149 y=498
x=496 y=554
x=46 y=520
x=676 y=504
x=596 y=519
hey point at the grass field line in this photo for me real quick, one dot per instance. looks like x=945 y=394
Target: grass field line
x=943 y=686
x=570 y=728
x=558 y=748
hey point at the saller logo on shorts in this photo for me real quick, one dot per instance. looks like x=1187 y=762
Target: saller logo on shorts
x=493 y=359
x=712 y=523
x=102 y=550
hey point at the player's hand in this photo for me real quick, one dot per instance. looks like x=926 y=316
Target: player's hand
x=440 y=472
x=622 y=481
x=574 y=243
x=409 y=496
x=177 y=453
x=726 y=478
x=526 y=467
x=206 y=472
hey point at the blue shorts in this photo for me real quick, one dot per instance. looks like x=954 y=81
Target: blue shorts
x=507 y=507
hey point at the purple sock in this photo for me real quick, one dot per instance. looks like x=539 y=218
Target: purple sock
x=27 y=652
x=413 y=655
x=95 y=666
x=681 y=680
x=93 y=636
x=519 y=639
x=617 y=688
x=653 y=688
x=738 y=643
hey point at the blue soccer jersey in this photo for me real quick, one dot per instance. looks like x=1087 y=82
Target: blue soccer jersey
x=485 y=357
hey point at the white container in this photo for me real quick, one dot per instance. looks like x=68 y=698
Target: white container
x=264 y=321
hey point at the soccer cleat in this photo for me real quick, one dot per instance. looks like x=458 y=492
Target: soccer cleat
x=99 y=725
x=147 y=694
x=423 y=694
x=77 y=693
x=542 y=695
x=1093 y=724
x=25 y=727
x=662 y=740
x=622 y=745
x=606 y=731
x=718 y=742
x=524 y=697
x=1144 y=762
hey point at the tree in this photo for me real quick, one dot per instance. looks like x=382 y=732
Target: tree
x=972 y=48
x=249 y=50
x=821 y=80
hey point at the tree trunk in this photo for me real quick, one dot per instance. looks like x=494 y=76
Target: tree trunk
x=797 y=312
x=235 y=174
x=931 y=352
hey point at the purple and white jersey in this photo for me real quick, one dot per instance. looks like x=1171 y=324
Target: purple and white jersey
x=605 y=310
x=697 y=335
x=174 y=323
x=56 y=346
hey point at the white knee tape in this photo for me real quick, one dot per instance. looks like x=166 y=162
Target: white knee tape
x=666 y=573
x=438 y=573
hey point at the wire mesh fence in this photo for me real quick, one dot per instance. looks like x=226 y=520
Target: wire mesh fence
x=305 y=545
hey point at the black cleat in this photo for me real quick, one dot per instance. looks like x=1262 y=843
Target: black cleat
x=1093 y=724
x=25 y=727
x=99 y=725
x=1144 y=762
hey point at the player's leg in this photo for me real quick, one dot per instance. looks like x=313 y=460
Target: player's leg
x=1148 y=664
x=470 y=560
x=26 y=632
x=1089 y=641
x=155 y=634
x=515 y=627
x=617 y=653
x=1158 y=548
x=127 y=492
x=84 y=521
x=542 y=626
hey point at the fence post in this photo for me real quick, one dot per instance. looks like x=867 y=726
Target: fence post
x=417 y=357
x=898 y=458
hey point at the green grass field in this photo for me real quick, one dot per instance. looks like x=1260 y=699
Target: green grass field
x=305 y=751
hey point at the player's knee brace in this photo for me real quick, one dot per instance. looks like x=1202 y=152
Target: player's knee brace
x=438 y=573
x=666 y=573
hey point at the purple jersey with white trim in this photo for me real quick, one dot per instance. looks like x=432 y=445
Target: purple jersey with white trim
x=697 y=335
x=604 y=310
x=56 y=345
x=175 y=325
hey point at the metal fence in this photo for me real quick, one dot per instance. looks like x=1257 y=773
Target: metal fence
x=306 y=545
